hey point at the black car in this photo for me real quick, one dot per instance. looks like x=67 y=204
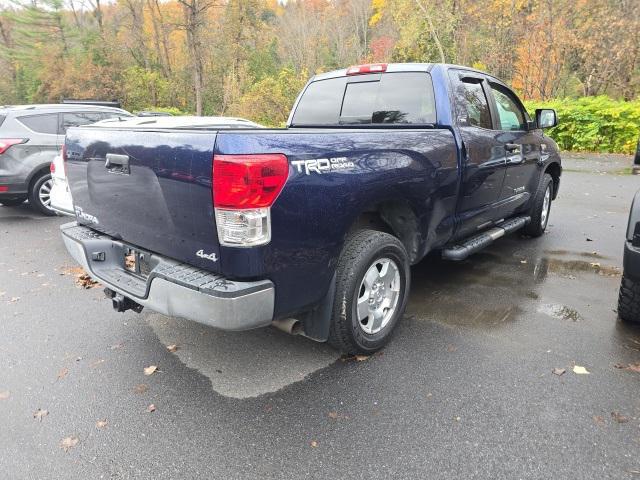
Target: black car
x=629 y=299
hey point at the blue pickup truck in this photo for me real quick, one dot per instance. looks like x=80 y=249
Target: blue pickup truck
x=313 y=227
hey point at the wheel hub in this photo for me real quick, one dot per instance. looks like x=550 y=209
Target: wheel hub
x=378 y=295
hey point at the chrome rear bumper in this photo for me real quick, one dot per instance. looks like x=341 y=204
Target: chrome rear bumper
x=171 y=287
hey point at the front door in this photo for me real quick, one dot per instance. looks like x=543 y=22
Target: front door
x=522 y=146
x=483 y=163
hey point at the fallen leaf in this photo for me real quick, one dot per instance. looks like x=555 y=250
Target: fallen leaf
x=618 y=417
x=333 y=415
x=595 y=264
x=580 y=370
x=72 y=271
x=150 y=370
x=151 y=408
x=313 y=444
x=620 y=365
x=141 y=388
x=4 y=394
x=172 y=348
x=68 y=443
x=634 y=367
x=362 y=358
x=101 y=423
x=598 y=420
x=40 y=414
x=558 y=371
x=85 y=281
x=63 y=373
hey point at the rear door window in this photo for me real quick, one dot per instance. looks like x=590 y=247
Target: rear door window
x=390 y=98
x=472 y=104
x=76 y=119
x=46 y=123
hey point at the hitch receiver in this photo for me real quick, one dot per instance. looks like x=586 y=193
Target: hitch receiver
x=121 y=303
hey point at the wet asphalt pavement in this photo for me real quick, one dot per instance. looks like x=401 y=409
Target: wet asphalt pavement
x=465 y=389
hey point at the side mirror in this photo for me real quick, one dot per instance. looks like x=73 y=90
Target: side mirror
x=546 y=118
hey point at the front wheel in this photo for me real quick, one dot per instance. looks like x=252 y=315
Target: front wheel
x=40 y=195
x=541 y=208
x=372 y=285
x=629 y=301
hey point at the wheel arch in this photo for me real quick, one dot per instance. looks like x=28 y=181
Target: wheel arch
x=395 y=217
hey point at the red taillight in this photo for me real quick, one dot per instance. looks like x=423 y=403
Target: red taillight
x=6 y=143
x=369 y=68
x=248 y=181
x=4 y=188
x=52 y=168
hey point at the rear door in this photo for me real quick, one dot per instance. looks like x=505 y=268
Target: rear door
x=522 y=147
x=483 y=152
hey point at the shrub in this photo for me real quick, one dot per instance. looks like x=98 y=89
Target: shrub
x=594 y=124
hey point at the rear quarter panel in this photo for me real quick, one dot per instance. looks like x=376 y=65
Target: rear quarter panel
x=315 y=211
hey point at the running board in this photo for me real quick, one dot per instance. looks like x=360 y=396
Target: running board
x=473 y=244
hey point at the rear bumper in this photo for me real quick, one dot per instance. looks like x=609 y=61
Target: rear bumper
x=171 y=287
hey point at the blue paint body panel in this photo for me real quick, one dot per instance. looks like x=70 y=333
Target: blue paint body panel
x=164 y=204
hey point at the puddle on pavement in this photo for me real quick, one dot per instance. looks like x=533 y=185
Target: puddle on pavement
x=243 y=364
x=561 y=312
x=491 y=289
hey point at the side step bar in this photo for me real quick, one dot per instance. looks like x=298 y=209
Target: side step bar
x=473 y=244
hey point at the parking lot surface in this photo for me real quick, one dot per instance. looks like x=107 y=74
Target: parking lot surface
x=466 y=389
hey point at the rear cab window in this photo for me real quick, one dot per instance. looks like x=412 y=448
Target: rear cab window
x=373 y=99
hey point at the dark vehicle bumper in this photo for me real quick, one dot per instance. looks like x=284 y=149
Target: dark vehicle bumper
x=631 y=262
x=171 y=287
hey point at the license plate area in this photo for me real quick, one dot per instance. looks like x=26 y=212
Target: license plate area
x=137 y=262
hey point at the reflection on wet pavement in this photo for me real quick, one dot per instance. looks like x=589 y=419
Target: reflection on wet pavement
x=496 y=286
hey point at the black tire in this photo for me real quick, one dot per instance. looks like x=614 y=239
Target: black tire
x=629 y=301
x=536 y=226
x=34 y=195
x=361 y=250
x=12 y=202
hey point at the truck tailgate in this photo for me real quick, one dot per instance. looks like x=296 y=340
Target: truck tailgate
x=151 y=189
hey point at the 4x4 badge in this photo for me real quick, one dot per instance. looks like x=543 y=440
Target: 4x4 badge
x=209 y=256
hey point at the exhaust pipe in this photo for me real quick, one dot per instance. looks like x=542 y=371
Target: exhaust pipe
x=121 y=303
x=288 y=325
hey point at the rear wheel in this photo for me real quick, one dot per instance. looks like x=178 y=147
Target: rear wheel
x=12 y=202
x=541 y=208
x=372 y=284
x=40 y=194
x=629 y=301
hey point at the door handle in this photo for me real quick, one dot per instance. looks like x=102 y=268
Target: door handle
x=512 y=147
x=117 y=163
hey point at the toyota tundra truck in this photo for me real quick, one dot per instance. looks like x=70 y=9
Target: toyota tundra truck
x=312 y=227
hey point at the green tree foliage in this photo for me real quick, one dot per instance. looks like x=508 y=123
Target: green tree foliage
x=595 y=124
